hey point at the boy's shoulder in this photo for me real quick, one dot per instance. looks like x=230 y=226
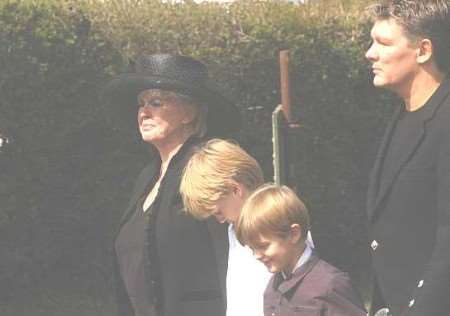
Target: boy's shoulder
x=328 y=269
x=317 y=285
x=315 y=269
x=316 y=277
x=327 y=276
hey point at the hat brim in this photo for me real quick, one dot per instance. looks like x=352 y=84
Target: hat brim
x=223 y=118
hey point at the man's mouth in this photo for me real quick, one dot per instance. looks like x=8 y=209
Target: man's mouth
x=147 y=124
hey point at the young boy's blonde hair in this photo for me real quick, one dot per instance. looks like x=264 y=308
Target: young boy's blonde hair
x=211 y=173
x=269 y=212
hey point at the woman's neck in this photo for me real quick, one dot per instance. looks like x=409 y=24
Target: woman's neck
x=168 y=150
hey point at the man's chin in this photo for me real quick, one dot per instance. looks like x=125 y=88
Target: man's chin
x=378 y=82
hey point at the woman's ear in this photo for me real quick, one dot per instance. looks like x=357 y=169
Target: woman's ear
x=295 y=233
x=190 y=113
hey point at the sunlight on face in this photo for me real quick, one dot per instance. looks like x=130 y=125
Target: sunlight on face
x=162 y=117
x=392 y=55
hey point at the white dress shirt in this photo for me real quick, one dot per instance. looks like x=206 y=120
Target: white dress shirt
x=247 y=279
x=303 y=258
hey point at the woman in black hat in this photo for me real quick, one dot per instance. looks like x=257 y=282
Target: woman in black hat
x=166 y=263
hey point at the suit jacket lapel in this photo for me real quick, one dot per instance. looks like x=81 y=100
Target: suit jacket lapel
x=409 y=146
x=285 y=286
x=374 y=180
x=219 y=237
x=142 y=184
x=375 y=197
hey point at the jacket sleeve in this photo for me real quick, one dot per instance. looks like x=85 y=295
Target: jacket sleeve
x=430 y=296
x=342 y=299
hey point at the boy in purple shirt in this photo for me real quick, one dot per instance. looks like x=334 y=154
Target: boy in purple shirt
x=274 y=223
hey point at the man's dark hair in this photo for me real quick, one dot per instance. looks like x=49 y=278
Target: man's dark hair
x=420 y=19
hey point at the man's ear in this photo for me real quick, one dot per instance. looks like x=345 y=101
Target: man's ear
x=295 y=233
x=424 y=51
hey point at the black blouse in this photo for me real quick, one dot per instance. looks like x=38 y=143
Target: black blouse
x=131 y=253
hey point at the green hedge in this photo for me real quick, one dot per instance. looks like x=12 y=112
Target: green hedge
x=67 y=172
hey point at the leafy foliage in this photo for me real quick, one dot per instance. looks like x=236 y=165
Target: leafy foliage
x=67 y=174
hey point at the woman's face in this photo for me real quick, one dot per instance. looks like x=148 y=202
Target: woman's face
x=163 y=118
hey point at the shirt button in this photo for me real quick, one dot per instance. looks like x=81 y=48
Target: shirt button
x=420 y=283
x=374 y=245
x=411 y=303
x=382 y=312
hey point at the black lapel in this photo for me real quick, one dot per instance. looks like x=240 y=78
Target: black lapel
x=410 y=146
x=142 y=185
x=374 y=180
x=285 y=286
x=219 y=237
x=149 y=174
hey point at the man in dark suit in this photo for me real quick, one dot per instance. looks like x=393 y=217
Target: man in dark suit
x=409 y=190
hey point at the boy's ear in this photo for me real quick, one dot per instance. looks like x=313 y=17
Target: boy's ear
x=237 y=188
x=295 y=233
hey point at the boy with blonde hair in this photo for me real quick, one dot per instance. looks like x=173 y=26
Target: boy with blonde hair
x=274 y=223
x=216 y=182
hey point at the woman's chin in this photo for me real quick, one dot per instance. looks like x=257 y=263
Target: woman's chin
x=152 y=137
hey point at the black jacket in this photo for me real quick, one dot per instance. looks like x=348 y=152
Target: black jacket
x=191 y=255
x=409 y=215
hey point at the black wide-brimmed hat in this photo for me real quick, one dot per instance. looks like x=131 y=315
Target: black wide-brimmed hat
x=176 y=73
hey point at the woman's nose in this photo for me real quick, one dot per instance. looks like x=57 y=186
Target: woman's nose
x=145 y=110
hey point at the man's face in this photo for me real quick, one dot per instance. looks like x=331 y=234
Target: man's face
x=393 y=57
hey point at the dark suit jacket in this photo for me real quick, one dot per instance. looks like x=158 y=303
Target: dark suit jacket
x=315 y=289
x=191 y=255
x=409 y=215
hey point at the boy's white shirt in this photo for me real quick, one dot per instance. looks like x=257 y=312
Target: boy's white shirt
x=247 y=279
x=303 y=258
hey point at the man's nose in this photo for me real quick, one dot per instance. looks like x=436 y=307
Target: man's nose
x=370 y=53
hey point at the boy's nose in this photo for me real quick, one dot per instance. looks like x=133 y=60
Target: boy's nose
x=258 y=255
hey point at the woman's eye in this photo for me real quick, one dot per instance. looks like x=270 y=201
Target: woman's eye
x=155 y=102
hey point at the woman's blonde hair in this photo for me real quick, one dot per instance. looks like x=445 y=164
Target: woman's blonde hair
x=211 y=173
x=270 y=211
x=198 y=125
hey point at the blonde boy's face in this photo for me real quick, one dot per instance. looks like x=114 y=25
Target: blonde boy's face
x=278 y=254
x=228 y=207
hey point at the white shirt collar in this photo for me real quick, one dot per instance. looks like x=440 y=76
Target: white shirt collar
x=302 y=260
